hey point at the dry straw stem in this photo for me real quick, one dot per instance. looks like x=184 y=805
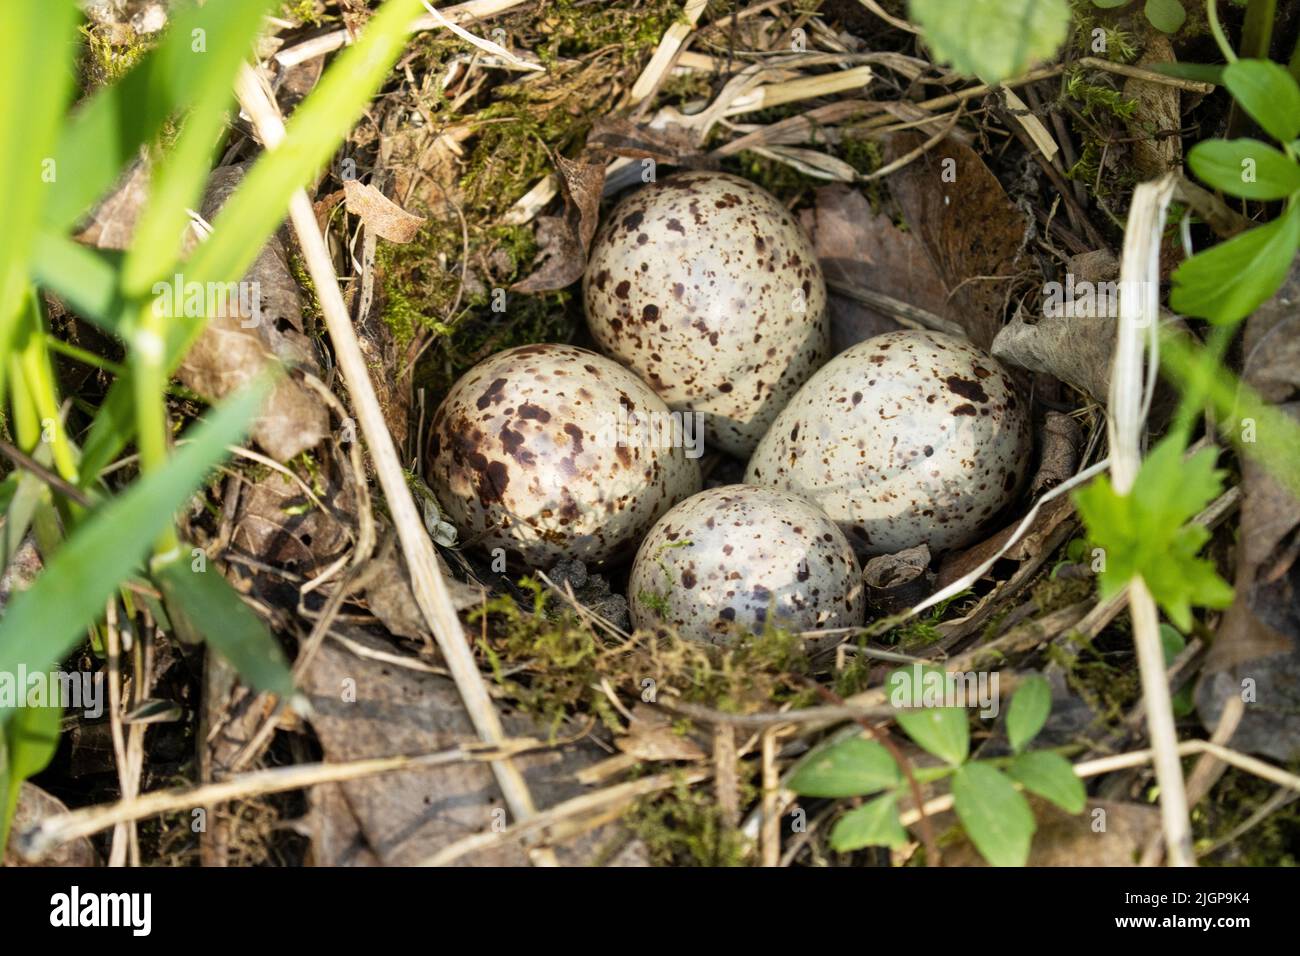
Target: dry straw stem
x=666 y=52
x=459 y=13
x=806 y=88
x=605 y=800
x=1132 y=384
x=426 y=579
x=51 y=832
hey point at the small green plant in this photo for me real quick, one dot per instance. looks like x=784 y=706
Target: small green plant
x=1146 y=533
x=988 y=795
x=1229 y=281
x=1167 y=16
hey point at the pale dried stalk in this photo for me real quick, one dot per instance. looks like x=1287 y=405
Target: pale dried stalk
x=329 y=42
x=1132 y=384
x=430 y=589
x=51 y=832
x=487 y=46
x=778 y=94
x=617 y=795
x=667 y=50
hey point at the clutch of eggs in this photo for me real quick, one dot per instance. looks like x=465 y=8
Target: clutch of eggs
x=705 y=286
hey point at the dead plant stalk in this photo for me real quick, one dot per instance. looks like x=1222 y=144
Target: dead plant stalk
x=426 y=580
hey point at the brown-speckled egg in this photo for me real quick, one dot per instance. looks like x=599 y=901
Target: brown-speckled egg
x=906 y=438
x=732 y=559
x=705 y=286
x=540 y=450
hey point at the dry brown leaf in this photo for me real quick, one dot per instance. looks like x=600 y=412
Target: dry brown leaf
x=277 y=523
x=971 y=230
x=237 y=346
x=367 y=708
x=379 y=213
x=564 y=240
x=650 y=736
x=112 y=224
x=865 y=248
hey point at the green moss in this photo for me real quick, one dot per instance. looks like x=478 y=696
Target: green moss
x=306 y=12
x=685 y=827
x=1274 y=841
x=104 y=61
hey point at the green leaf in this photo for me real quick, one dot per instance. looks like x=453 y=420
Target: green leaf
x=1051 y=777
x=1200 y=72
x=872 y=824
x=1268 y=93
x=177 y=180
x=1146 y=532
x=108 y=129
x=848 y=768
x=1273 y=438
x=36 y=70
x=1228 y=282
x=942 y=731
x=205 y=602
x=1245 y=167
x=1167 y=16
x=47 y=620
x=1110 y=4
x=995 y=814
x=1030 y=705
x=258 y=206
x=29 y=742
x=84 y=278
x=312 y=135
x=1171 y=642
x=992 y=39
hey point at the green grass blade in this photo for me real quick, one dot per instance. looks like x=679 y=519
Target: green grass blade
x=30 y=740
x=258 y=206
x=36 y=50
x=43 y=623
x=204 y=601
x=178 y=179
x=311 y=137
x=84 y=278
x=106 y=132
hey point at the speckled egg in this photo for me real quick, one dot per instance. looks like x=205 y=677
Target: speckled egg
x=705 y=286
x=906 y=438
x=552 y=451
x=731 y=559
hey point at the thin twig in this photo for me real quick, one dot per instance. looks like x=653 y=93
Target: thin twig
x=38 y=840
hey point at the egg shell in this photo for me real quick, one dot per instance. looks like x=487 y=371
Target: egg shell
x=526 y=454
x=706 y=287
x=732 y=559
x=906 y=438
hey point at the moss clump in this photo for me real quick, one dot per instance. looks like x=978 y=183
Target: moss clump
x=1107 y=687
x=552 y=663
x=685 y=827
x=1274 y=841
x=106 y=58
x=558 y=654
